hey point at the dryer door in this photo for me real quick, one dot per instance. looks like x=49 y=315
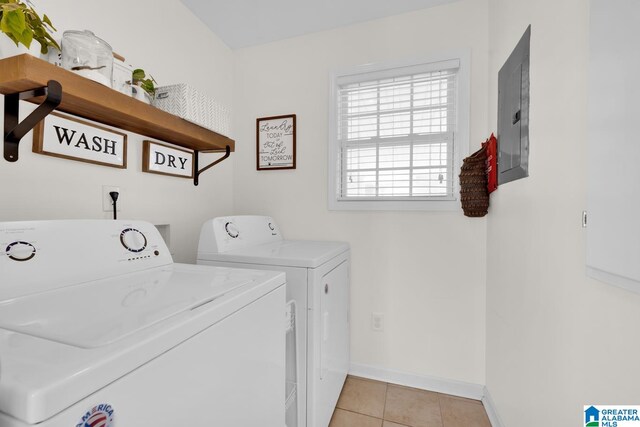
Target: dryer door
x=331 y=318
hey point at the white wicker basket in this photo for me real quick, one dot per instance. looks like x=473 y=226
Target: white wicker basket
x=184 y=101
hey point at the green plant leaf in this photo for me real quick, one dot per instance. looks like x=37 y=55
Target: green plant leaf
x=148 y=86
x=138 y=74
x=13 y=22
x=39 y=32
x=4 y=24
x=52 y=42
x=139 y=78
x=22 y=24
x=47 y=21
x=12 y=6
x=26 y=37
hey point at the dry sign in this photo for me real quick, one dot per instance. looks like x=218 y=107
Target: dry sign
x=75 y=139
x=166 y=160
x=276 y=142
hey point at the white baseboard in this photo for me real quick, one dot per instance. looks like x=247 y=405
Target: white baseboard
x=424 y=382
x=490 y=407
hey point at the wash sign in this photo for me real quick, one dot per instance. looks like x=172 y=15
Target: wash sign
x=71 y=138
x=166 y=160
x=611 y=416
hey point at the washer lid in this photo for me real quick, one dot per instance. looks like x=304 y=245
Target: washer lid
x=97 y=313
x=288 y=253
x=133 y=318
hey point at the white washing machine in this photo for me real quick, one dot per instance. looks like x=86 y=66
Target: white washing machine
x=99 y=327
x=317 y=280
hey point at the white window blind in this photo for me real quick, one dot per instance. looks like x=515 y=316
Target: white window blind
x=396 y=133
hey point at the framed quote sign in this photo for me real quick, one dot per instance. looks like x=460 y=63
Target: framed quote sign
x=167 y=160
x=276 y=142
x=70 y=138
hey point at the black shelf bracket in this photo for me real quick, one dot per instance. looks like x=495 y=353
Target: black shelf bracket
x=14 y=131
x=196 y=159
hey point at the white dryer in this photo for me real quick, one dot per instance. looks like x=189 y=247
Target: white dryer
x=99 y=326
x=317 y=274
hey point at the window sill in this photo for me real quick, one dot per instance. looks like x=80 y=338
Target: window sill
x=400 y=205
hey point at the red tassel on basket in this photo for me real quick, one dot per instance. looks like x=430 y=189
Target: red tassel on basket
x=491 y=145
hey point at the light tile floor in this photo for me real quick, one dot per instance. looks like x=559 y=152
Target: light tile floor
x=368 y=403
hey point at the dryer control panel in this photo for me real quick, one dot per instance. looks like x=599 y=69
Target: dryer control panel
x=227 y=233
x=37 y=256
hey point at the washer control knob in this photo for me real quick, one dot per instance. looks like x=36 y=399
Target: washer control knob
x=232 y=230
x=133 y=240
x=20 y=251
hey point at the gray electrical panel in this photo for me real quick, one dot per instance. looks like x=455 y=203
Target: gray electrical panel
x=513 y=113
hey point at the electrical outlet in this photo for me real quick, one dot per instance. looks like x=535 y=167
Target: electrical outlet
x=377 y=322
x=107 y=202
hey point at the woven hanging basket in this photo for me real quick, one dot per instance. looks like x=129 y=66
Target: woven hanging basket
x=473 y=184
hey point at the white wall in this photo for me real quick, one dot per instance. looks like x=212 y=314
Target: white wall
x=556 y=340
x=424 y=270
x=175 y=47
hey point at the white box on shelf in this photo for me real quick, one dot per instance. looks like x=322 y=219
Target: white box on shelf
x=53 y=56
x=122 y=76
x=186 y=102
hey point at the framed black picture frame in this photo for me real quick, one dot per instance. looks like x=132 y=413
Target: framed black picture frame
x=276 y=142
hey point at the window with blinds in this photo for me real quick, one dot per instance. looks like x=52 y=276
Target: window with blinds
x=396 y=132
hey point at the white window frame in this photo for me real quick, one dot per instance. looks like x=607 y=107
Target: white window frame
x=461 y=136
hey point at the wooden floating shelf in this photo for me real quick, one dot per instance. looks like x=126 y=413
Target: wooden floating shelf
x=86 y=98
